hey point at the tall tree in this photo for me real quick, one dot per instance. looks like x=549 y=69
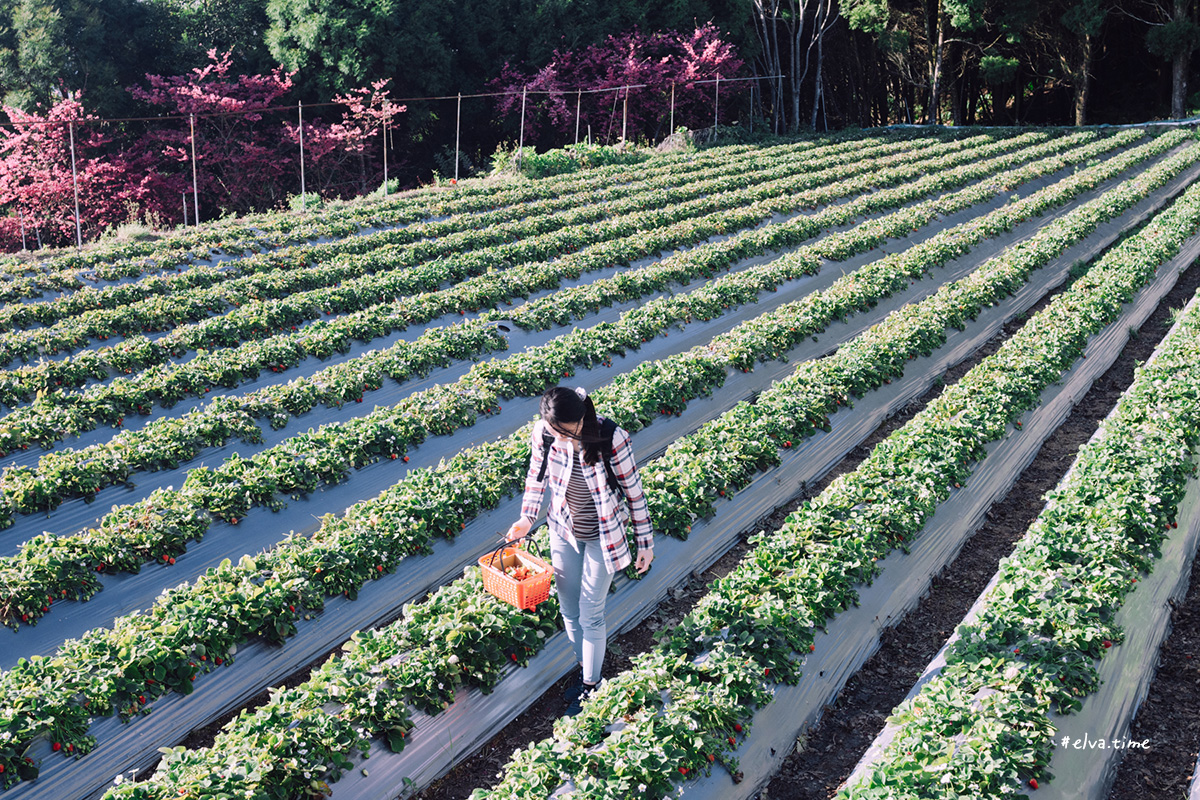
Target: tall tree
x=38 y=49
x=337 y=45
x=1084 y=20
x=1174 y=35
x=190 y=28
x=58 y=47
x=791 y=34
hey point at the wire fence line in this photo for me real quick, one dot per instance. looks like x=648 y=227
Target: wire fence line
x=300 y=107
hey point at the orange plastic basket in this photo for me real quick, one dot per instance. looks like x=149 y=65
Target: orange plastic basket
x=524 y=594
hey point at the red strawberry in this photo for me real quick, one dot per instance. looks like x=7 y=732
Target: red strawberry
x=737 y=726
x=683 y=770
x=1033 y=783
x=57 y=746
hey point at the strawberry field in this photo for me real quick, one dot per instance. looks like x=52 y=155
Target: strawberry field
x=231 y=453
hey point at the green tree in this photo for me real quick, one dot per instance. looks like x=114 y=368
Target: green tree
x=53 y=48
x=1174 y=35
x=337 y=45
x=188 y=29
x=37 y=52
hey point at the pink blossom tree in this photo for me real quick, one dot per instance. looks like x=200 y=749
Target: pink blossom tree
x=37 y=191
x=591 y=83
x=338 y=150
x=241 y=165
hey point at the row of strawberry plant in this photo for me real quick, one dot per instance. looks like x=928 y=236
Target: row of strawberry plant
x=416 y=662
x=84 y=471
x=260 y=317
x=60 y=415
x=49 y=566
x=279 y=229
x=470 y=231
x=761 y=619
x=329 y=565
x=1049 y=617
x=222 y=368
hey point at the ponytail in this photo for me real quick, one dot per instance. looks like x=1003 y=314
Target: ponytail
x=590 y=433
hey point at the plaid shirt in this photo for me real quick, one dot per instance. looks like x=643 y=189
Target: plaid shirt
x=614 y=515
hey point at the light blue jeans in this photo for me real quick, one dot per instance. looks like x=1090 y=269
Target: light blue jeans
x=582 y=583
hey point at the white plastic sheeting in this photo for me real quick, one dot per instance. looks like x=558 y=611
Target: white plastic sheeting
x=259 y=665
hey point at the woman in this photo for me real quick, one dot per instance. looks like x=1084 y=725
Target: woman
x=587 y=518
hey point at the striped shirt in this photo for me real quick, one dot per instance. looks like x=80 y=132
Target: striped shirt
x=613 y=515
x=585 y=522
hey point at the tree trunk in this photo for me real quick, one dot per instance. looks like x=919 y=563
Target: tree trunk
x=1179 y=66
x=937 y=39
x=1178 y=86
x=956 y=96
x=795 y=30
x=1083 y=83
x=821 y=25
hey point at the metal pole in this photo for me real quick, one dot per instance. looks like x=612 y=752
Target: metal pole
x=521 y=144
x=457 y=131
x=185 y=209
x=671 y=130
x=195 y=182
x=625 y=118
x=751 y=108
x=385 y=164
x=716 y=105
x=75 y=185
x=303 y=192
x=21 y=218
x=578 y=103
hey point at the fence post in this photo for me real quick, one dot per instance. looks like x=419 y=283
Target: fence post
x=578 y=104
x=625 y=119
x=521 y=143
x=185 y=209
x=716 y=106
x=752 y=108
x=671 y=130
x=21 y=219
x=195 y=183
x=303 y=192
x=75 y=186
x=457 y=131
x=385 y=149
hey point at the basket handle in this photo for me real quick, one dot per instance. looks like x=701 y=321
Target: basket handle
x=513 y=543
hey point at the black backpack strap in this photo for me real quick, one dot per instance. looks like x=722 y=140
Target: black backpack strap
x=547 y=443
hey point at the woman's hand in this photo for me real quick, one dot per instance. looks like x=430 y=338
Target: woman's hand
x=519 y=529
x=644 y=557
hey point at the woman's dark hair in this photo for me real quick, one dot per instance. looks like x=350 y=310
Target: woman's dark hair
x=561 y=406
